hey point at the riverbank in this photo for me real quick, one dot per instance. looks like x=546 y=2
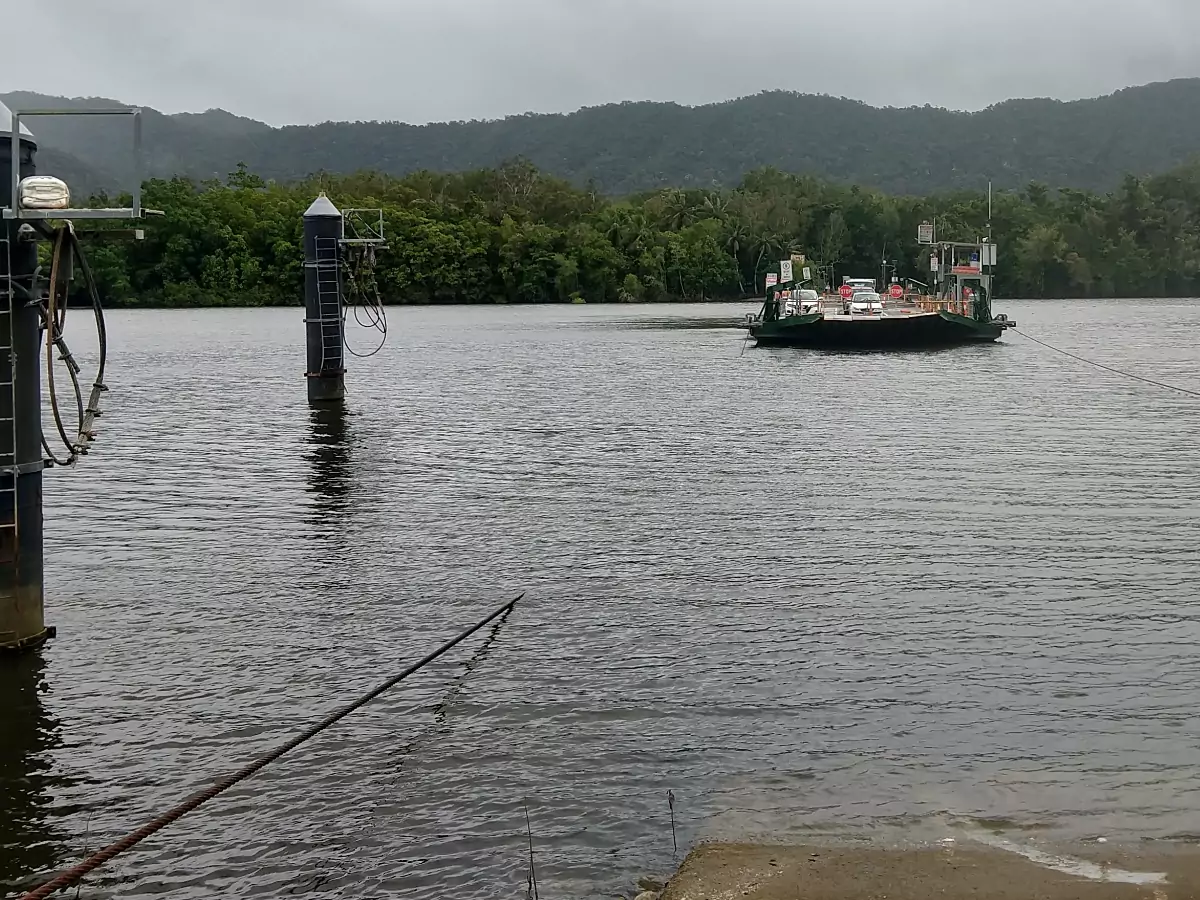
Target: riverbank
x=297 y=303
x=990 y=868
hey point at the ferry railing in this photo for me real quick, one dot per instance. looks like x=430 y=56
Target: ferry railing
x=959 y=307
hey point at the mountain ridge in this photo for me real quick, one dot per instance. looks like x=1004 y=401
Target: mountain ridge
x=635 y=146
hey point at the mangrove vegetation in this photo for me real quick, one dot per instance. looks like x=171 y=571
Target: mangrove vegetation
x=513 y=234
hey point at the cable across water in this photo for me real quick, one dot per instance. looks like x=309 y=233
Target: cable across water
x=1090 y=362
x=75 y=874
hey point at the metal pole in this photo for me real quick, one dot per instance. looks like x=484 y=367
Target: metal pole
x=139 y=163
x=22 y=599
x=14 y=141
x=323 y=231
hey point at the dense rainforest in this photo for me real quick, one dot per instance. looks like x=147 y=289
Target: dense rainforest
x=513 y=234
x=626 y=148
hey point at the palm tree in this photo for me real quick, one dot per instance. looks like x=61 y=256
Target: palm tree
x=716 y=207
x=767 y=241
x=736 y=241
x=675 y=210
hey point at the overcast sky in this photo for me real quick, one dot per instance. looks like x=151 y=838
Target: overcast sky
x=294 y=61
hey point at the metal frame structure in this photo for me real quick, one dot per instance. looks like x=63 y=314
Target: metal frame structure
x=133 y=212
x=366 y=226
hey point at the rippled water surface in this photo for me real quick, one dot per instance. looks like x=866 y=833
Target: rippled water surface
x=809 y=594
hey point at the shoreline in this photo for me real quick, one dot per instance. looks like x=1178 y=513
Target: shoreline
x=299 y=303
x=985 y=866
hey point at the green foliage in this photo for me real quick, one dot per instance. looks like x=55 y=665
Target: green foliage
x=515 y=235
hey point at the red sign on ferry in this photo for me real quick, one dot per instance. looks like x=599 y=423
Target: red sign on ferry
x=896 y=291
x=846 y=291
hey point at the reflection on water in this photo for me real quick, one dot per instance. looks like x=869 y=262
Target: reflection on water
x=331 y=485
x=329 y=478
x=31 y=841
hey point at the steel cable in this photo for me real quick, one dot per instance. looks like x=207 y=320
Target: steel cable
x=77 y=873
x=1090 y=362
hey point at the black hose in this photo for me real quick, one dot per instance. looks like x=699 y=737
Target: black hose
x=366 y=300
x=98 y=386
x=97 y=306
x=53 y=323
x=54 y=315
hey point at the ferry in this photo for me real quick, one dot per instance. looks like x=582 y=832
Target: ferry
x=862 y=317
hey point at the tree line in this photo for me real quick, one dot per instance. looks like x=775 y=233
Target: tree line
x=513 y=234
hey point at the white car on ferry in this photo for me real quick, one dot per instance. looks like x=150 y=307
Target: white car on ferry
x=866 y=303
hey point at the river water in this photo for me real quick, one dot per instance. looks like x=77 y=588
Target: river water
x=835 y=596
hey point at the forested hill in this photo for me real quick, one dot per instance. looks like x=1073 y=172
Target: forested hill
x=630 y=147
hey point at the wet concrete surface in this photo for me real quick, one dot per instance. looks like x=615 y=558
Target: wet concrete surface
x=1100 y=872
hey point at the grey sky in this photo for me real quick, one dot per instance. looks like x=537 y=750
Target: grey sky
x=287 y=61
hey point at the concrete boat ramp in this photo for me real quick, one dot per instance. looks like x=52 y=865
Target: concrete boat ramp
x=990 y=868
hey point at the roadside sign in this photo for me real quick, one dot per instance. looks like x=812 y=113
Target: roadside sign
x=846 y=291
x=807 y=274
x=772 y=279
x=896 y=291
x=934 y=263
x=925 y=233
x=785 y=270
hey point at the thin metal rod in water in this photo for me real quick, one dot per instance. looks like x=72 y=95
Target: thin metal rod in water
x=533 y=888
x=93 y=862
x=671 y=803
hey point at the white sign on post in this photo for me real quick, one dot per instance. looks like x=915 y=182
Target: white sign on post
x=785 y=270
x=934 y=263
x=807 y=274
x=772 y=279
x=925 y=233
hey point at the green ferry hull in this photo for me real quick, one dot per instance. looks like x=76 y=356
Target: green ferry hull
x=942 y=329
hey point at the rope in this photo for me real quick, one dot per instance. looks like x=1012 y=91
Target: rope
x=77 y=873
x=1161 y=384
